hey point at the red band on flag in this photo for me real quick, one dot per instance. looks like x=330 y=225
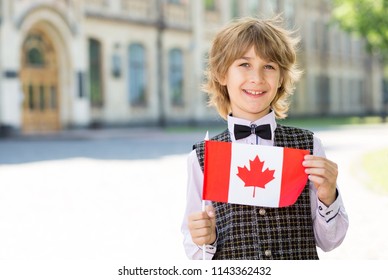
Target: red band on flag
x=293 y=175
x=216 y=175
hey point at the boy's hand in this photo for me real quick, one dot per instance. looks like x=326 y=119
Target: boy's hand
x=202 y=226
x=323 y=173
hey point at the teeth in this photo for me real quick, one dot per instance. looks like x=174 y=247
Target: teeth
x=254 y=92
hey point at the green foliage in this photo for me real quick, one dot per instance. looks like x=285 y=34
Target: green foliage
x=367 y=18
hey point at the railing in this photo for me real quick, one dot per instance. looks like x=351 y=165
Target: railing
x=96 y=3
x=145 y=11
x=178 y=16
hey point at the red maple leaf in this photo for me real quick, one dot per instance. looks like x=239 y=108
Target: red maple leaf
x=256 y=177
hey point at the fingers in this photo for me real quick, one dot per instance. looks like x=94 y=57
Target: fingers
x=210 y=211
x=320 y=162
x=202 y=226
x=320 y=169
x=323 y=173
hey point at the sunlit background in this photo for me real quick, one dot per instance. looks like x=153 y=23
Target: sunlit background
x=94 y=63
x=100 y=103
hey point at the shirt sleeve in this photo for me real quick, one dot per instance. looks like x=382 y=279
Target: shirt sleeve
x=194 y=204
x=330 y=222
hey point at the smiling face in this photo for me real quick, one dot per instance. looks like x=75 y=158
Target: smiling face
x=252 y=85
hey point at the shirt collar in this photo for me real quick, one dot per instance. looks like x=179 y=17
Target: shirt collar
x=267 y=119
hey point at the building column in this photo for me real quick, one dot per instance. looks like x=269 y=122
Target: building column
x=10 y=89
x=198 y=58
x=377 y=85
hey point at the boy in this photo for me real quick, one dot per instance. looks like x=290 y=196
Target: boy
x=251 y=73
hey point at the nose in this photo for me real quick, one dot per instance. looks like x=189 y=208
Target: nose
x=256 y=77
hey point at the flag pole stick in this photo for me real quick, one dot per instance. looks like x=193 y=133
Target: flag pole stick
x=204 y=245
x=203 y=209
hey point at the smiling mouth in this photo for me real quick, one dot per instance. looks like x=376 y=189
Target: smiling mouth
x=253 y=92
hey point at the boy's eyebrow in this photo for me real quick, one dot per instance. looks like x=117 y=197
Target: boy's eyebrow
x=250 y=58
x=246 y=57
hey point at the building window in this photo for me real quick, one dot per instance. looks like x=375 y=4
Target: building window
x=176 y=74
x=323 y=93
x=35 y=51
x=53 y=97
x=31 y=99
x=95 y=74
x=35 y=57
x=137 y=75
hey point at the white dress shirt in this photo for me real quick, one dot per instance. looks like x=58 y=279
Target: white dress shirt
x=330 y=223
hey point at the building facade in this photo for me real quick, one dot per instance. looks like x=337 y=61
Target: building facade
x=79 y=63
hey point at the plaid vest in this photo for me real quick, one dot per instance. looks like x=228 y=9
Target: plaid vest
x=263 y=233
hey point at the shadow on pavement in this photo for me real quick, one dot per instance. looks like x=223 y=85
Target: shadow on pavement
x=101 y=144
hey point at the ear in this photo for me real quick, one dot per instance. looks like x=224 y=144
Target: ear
x=222 y=81
x=280 y=82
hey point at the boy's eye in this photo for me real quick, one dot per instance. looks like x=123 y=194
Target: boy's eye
x=245 y=64
x=268 y=66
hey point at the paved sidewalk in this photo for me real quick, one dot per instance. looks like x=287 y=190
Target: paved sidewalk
x=368 y=229
x=94 y=206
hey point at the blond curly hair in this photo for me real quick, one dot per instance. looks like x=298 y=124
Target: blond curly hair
x=271 y=42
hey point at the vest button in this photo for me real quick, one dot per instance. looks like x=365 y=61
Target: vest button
x=267 y=253
x=262 y=211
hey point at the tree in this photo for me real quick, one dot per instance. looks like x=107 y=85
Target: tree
x=366 y=18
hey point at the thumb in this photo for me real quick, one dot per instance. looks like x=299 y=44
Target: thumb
x=210 y=211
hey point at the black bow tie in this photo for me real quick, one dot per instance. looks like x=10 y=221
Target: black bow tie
x=243 y=131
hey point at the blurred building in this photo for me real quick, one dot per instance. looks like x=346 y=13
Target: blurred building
x=75 y=63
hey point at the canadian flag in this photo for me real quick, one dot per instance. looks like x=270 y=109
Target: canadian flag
x=253 y=174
